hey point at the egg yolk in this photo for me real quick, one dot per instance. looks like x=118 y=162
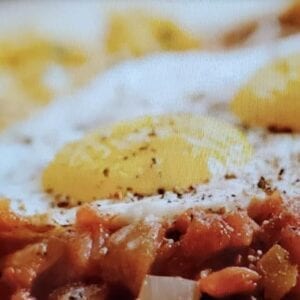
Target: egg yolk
x=29 y=58
x=272 y=97
x=25 y=62
x=145 y=157
x=136 y=34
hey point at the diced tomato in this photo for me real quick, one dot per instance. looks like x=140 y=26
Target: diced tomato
x=290 y=240
x=129 y=254
x=211 y=233
x=243 y=229
x=200 y=236
x=261 y=210
x=87 y=218
x=279 y=274
x=38 y=260
x=229 y=281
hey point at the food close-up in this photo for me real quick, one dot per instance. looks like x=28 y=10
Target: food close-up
x=150 y=150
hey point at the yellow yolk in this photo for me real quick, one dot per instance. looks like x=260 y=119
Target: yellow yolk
x=24 y=63
x=136 y=33
x=145 y=156
x=272 y=97
x=28 y=59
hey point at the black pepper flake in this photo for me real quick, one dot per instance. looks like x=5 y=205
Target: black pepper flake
x=220 y=210
x=152 y=133
x=143 y=148
x=153 y=162
x=191 y=188
x=138 y=196
x=230 y=176
x=179 y=195
x=244 y=127
x=264 y=185
x=106 y=172
x=161 y=191
x=26 y=140
x=280 y=173
x=277 y=129
x=63 y=204
x=125 y=157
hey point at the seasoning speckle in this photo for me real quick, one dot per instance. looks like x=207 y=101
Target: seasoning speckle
x=106 y=172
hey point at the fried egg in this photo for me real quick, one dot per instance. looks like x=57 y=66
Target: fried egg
x=202 y=84
x=41 y=60
x=142 y=157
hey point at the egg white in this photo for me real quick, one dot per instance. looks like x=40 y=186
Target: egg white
x=202 y=83
x=85 y=22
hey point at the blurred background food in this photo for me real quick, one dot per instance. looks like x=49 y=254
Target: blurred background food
x=270 y=99
x=49 y=49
